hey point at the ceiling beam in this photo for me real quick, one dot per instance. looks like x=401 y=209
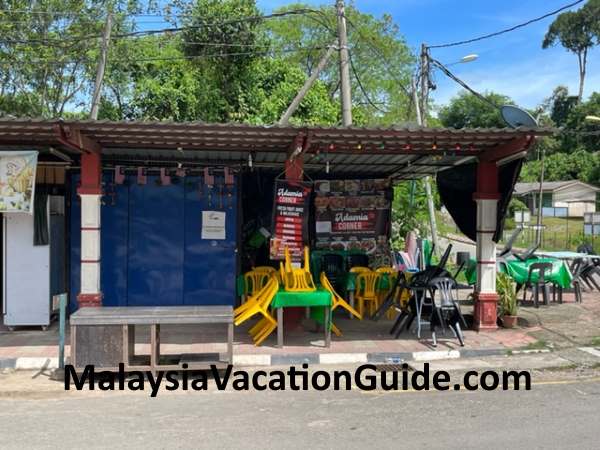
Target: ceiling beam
x=503 y=151
x=73 y=139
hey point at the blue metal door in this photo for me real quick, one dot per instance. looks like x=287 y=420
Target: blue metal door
x=210 y=264
x=155 y=266
x=152 y=249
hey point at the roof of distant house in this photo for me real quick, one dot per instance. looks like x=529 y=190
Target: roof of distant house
x=550 y=186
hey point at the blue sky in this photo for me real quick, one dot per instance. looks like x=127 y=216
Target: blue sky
x=513 y=64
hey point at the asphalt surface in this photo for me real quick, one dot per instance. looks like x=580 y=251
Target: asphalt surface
x=554 y=414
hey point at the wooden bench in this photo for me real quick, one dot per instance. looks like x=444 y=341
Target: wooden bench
x=105 y=336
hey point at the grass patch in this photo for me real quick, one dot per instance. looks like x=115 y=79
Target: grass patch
x=595 y=342
x=559 y=233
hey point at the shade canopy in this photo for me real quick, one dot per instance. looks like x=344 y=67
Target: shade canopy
x=401 y=152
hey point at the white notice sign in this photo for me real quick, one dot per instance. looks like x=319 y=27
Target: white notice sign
x=213 y=225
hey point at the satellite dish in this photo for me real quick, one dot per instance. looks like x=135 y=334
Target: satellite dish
x=517 y=117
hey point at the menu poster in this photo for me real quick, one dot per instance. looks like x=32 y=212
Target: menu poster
x=352 y=214
x=290 y=219
x=17 y=180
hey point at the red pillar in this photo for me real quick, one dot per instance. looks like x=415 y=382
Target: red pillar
x=486 y=197
x=90 y=192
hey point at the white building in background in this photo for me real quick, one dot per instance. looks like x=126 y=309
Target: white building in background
x=560 y=198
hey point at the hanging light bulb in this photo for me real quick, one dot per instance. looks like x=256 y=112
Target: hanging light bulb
x=327 y=167
x=250 y=160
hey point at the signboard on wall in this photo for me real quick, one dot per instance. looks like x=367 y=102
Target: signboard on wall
x=17 y=181
x=290 y=218
x=352 y=214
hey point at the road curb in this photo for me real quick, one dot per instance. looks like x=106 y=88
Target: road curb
x=39 y=363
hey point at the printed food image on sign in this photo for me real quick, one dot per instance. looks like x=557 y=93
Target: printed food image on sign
x=17 y=181
x=352 y=215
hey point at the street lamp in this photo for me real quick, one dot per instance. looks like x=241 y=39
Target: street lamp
x=465 y=59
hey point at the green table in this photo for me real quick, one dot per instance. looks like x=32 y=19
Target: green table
x=319 y=298
x=519 y=271
x=316 y=255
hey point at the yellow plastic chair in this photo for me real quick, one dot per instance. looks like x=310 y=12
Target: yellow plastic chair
x=253 y=300
x=267 y=269
x=261 y=302
x=359 y=269
x=255 y=280
x=366 y=291
x=337 y=301
x=386 y=269
x=297 y=280
x=257 y=303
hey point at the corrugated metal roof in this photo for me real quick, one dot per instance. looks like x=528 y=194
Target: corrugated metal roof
x=525 y=188
x=406 y=151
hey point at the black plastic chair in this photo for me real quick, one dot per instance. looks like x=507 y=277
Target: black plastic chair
x=445 y=309
x=391 y=299
x=576 y=269
x=511 y=241
x=541 y=282
x=356 y=260
x=527 y=253
x=333 y=266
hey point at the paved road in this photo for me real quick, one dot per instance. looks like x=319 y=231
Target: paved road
x=554 y=415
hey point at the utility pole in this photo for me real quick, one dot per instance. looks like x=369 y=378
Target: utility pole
x=344 y=65
x=421 y=109
x=538 y=228
x=307 y=85
x=101 y=66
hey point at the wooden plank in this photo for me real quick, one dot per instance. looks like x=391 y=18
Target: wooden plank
x=230 y=343
x=152 y=315
x=280 y=327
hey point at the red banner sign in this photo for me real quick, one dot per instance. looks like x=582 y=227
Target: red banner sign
x=290 y=218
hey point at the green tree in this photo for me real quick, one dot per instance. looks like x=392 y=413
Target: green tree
x=559 y=105
x=468 y=111
x=48 y=53
x=578 y=165
x=577 y=31
x=380 y=57
x=409 y=211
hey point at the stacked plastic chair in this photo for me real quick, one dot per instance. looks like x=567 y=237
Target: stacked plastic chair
x=297 y=279
x=259 y=303
x=337 y=301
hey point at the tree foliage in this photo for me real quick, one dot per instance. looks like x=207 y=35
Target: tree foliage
x=49 y=50
x=577 y=31
x=409 y=211
x=468 y=111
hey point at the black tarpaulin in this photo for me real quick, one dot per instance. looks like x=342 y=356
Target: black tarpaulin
x=40 y=217
x=456 y=187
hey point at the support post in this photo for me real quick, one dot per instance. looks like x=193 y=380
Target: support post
x=90 y=192
x=346 y=95
x=285 y=118
x=101 y=66
x=486 y=197
x=421 y=110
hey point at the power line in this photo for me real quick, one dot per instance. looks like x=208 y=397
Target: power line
x=360 y=85
x=381 y=56
x=57 y=61
x=162 y=30
x=453 y=77
x=507 y=30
